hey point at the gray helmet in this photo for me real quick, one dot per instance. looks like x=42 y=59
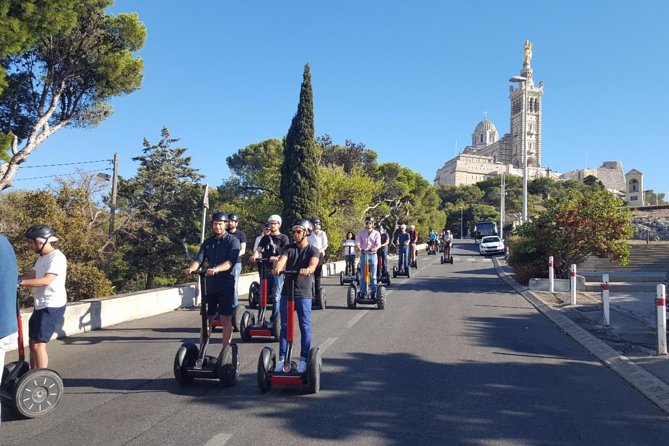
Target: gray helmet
x=304 y=223
x=315 y=221
x=233 y=217
x=369 y=218
x=41 y=231
x=219 y=216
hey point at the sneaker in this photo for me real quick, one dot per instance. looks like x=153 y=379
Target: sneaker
x=302 y=366
x=279 y=367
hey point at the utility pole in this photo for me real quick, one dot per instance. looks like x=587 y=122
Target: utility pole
x=112 y=213
x=502 y=207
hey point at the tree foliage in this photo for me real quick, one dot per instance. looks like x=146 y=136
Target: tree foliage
x=63 y=61
x=165 y=196
x=573 y=227
x=299 y=171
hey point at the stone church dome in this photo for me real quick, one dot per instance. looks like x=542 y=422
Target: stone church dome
x=485 y=133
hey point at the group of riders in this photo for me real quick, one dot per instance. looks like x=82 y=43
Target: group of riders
x=439 y=242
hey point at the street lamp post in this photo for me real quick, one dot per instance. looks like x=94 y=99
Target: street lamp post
x=523 y=80
x=461 y=234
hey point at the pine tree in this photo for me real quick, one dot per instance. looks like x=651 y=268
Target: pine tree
x=299 y=171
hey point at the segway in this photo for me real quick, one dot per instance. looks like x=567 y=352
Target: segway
x=289 y=376
x=33 y=393
x=347 y=276
x=191 y=362
x=432 y=248
x=353 y=297
x=446 y=257
x=249 y=328
x=237 y=314
x=381 y=277
x=413 y=263
x=400 y=271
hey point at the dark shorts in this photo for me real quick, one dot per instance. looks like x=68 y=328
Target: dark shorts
x=221 y=302
x=44 y=322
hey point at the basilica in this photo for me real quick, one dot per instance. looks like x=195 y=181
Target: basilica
x=489 y=155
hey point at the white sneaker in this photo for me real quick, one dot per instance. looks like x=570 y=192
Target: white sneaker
x=279 y=367
x=302 y=366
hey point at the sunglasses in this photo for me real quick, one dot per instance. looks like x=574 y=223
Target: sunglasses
x=298 y=231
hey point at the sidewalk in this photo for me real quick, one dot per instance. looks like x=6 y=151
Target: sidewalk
x=628 y=346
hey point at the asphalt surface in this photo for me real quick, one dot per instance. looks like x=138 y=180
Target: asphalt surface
x=457 y=357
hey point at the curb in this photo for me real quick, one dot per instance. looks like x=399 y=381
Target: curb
x=649 y=385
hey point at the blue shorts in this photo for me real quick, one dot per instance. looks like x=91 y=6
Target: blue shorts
x=44 y=322
x=221 y=302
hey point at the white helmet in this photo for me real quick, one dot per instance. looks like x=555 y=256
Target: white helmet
x=274 y=217
x=403 y=226
x=412 y=227
x=448 y=231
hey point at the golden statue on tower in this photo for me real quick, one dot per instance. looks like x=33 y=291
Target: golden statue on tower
x=528 y=53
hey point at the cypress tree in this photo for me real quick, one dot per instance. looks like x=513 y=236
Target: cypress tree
x=299 y=171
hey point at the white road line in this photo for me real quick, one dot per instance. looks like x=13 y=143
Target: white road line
x=355 y=319
x=325 y=345
x=218 y=440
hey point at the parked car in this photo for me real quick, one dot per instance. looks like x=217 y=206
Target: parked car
x=491 y=245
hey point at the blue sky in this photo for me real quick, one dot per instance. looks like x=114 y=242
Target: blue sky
x=409 y=79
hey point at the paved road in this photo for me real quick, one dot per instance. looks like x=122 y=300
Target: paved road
x=456 y=358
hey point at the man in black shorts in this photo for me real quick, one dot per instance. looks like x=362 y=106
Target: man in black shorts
x=220 y=252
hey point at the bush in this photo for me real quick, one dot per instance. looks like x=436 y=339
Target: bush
x=526 y=259
x=86 y=281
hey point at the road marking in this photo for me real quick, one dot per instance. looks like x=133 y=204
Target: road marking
x=218 y=440
x=355 y=319
x=325 y=345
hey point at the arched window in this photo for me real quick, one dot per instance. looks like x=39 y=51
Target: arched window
x=481 y=138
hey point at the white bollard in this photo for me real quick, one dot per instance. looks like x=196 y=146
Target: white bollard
x=572 y=277
x=605 y=299
x=660 y=305
x=551 y=275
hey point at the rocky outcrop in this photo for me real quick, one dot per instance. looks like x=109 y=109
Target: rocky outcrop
x=651 y=225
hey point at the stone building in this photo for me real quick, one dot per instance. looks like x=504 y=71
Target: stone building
x=489 y=155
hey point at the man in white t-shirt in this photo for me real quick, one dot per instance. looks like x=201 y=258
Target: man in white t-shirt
x=319 y=239
x=48 y=280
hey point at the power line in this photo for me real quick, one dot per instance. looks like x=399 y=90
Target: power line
x=61 y=175
x=67 y=164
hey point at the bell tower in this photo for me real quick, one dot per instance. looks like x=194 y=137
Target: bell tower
x=526 y=106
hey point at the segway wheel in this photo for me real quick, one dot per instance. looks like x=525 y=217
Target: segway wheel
x=276 y=330
x=322 y=298
x=450 y=260
x=254 y=295
x=394 y=272
x=442 y=260
x=38 y=392
x=266 y=364
x=387 y=277
x=228 y=365
x=237 y=316
x=408 y=273
x=350 y=297
x=314 y=367
x=185 y=357
x=341 y=278
x=381 y=297
x=247 y=321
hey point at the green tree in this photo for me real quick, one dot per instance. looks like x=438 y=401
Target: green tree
x=63 y=61
x=252 y=188
x=299 y=171
x=165 y=196
x=81 y=235
x=573 y=227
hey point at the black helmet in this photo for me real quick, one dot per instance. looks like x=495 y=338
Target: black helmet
x=369 y=218
x=233 y=217
x=378 y=226
x=219 y=216
x=304 y=223
x=315 y=221
x=41 y=231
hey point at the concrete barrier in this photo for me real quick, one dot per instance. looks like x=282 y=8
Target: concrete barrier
x=561 y=285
